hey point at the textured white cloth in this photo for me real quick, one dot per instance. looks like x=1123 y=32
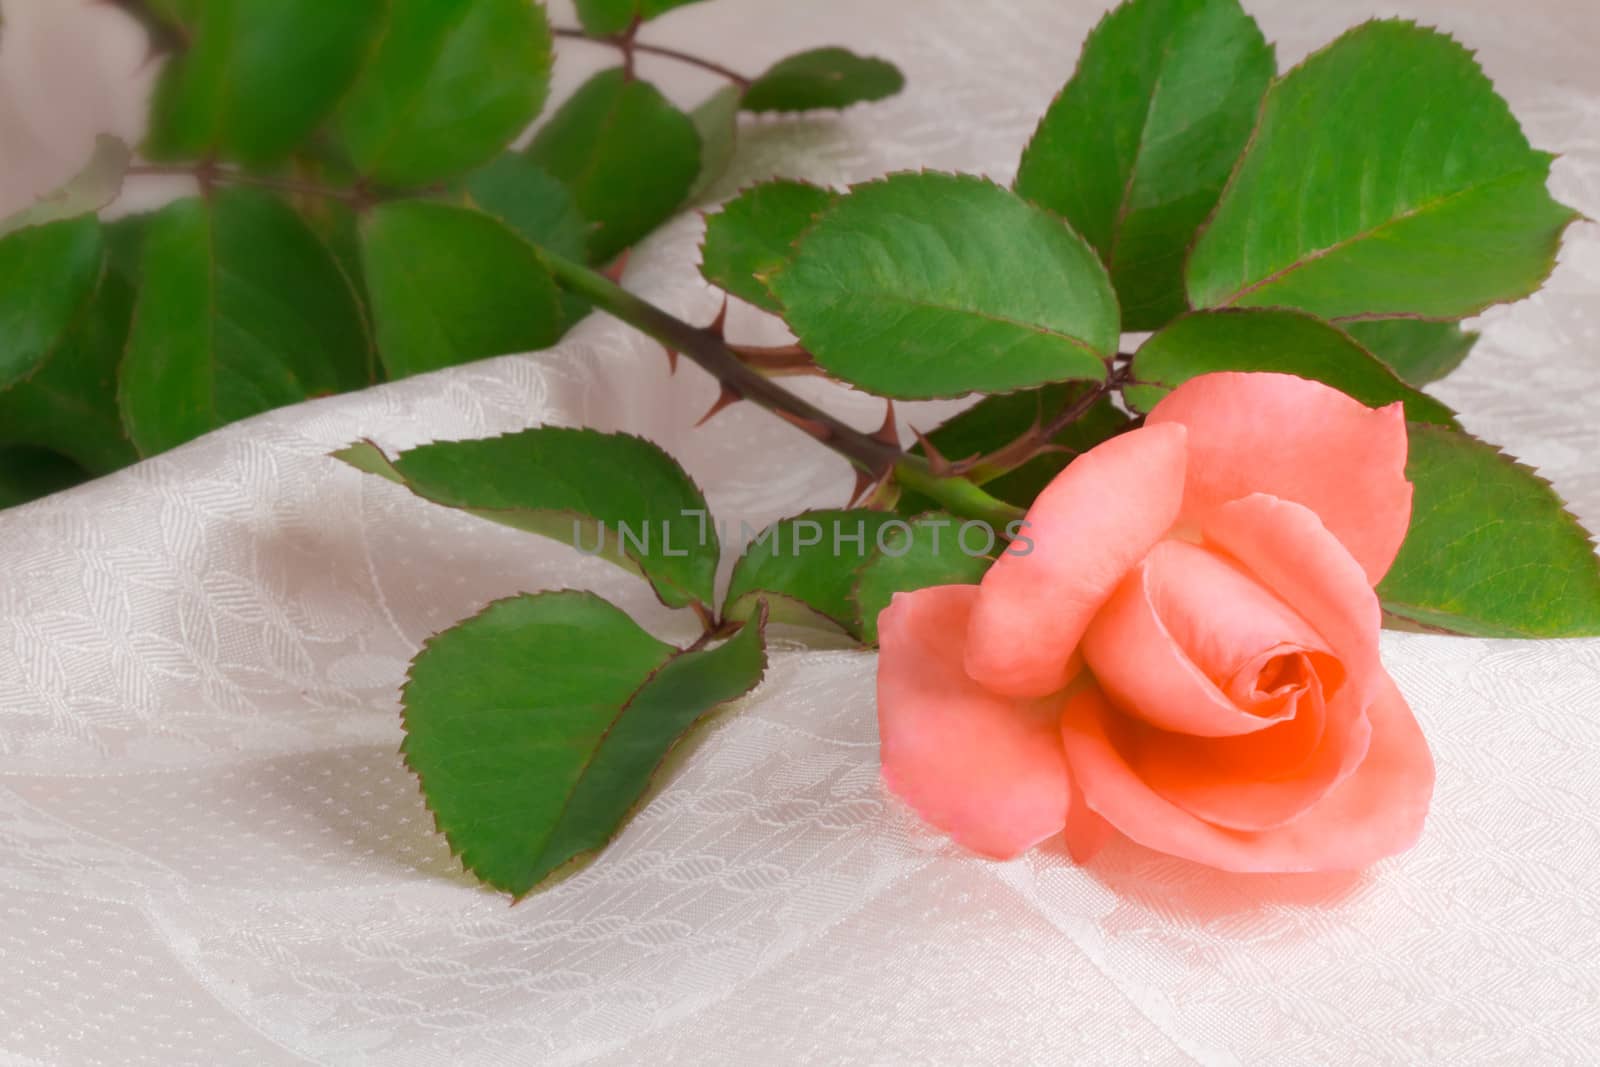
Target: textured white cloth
x=210 y=852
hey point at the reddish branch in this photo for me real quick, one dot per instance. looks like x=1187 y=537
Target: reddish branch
x=628 y=45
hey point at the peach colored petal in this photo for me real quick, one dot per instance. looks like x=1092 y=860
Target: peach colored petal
x=1291 y=552
x=986 y=769
x=1376 y=812
x=1086 y=832
x=1185 y=621
x=1302 y=441
x=1220 y=782
x=1088 y=529
x=1222 y=616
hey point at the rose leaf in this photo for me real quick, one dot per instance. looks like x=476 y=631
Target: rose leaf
x=536 y=726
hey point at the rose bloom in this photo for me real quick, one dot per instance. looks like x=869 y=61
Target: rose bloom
x=1189 y=653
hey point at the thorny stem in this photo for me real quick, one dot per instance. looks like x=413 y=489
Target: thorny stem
x=713 y=354
x=628 y=46
x=1075 y=411
x=706 y=348
x=1040 y=437
x=741 y=371
x=779 y=359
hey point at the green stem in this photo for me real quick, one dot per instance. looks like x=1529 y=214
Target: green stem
x=958 y=495
x=711 y=352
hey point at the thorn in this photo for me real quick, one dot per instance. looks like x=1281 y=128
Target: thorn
x=936 y=460
x=887 y=433
x=719 y=325
x=618 y=265
x=672 y=360
x=727 y=397
x=884 y=496
x=810 y=426
x=865 y=481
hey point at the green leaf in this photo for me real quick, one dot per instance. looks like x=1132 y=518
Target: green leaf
x=337 y=225
x=1136 y=149
x=125 y=246
x=803 y=567
x=69 y=404
x=47 y=275
x=602 y=18
x=452 y=84
x=612 y=495
x=822 y=78
x=537 y=725
x=449 y=285
x=929 y=285
x=629 y=157
x=716 y=120
x=1386 y=178
x=241 y=310
x=1418 y=351
x=649 y=9
x=755 y=233
x=259 y=77
x=928 y=552
x=91 y=189
x=535 y=205
x=997 y=421
x=30 y=473
x=531 y=202
x=1288 y=342
x=1491 y=550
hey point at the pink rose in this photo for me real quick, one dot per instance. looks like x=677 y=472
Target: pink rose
x=1189 y=653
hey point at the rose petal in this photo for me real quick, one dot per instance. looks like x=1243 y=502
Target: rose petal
x=1376 y=812
x=1088 y=529
x=1242 y=783
x=1291 y=552
x=1302 y=441
x=986 y=769
x=1086 y=833
x=1220 y=615
x=1181 y=600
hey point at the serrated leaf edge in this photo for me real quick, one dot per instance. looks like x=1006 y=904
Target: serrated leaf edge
x=459 y=851
x=1398 y=610
x=859 y=570
x=628 y=560
x=790 y=111
x=974 y=179
x=1299 y=313
x=707 y=216
x=736 y=604
x=1472 y=55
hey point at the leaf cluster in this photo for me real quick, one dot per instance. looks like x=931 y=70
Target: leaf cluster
x=362 y=213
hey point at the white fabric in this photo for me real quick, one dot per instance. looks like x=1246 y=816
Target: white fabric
x=210 y=852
